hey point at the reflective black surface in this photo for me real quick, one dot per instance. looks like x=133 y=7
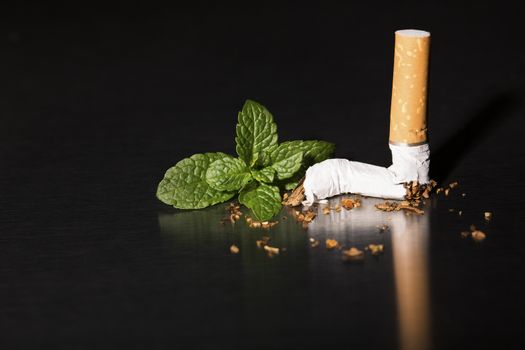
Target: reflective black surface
x=97 y=103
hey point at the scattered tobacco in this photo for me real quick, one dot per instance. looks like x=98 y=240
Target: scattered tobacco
x=477 y=235
x=395 y=206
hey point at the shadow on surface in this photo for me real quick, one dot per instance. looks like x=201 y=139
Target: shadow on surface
x=480 y=124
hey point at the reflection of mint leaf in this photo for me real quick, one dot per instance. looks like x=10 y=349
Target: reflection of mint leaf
x=228 y=174
x=286 y=160
x=265 y=175
x=184 y=185
x=264 y=200
x=255 y=130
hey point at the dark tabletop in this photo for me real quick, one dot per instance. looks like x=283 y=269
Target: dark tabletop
x=96 y=103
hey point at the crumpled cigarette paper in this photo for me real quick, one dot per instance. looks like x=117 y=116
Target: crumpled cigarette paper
x=337 y=176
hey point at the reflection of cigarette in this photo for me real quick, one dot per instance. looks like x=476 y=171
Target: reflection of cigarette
x=408 y=134
x=410 y=257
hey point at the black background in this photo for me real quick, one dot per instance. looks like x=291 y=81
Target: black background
x=97 y=102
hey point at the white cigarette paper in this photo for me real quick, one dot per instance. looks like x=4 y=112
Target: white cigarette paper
x=408 y=135
x=410 y=163
x=335 y=176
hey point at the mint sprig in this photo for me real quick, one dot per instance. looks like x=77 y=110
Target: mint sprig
x=259 y=175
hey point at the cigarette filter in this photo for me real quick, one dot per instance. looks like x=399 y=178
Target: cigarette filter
x=408 y=108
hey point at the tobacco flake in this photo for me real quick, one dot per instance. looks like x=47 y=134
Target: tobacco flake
x=375 y=249
x=271 y=251
x=353 y=254
x=453 y=184
x=296 y=197
x=404 y=205
x=331 y=244
x=234 y=249
x=314 y=242
x=478 y=235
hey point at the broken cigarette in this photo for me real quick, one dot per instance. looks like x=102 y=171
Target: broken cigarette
x=408 y=134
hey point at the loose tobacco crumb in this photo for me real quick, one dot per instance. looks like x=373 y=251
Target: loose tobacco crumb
x=331 y=244
x=375 y=249
x=353 y=254
x=394 y=206
x=262 y=242
x=260 y=224
x=296 y=197
x=304 y=217
x=415 y=190
x=314 y=242
x=478 y=235
x=271 y=251
x=234 y=249
x=234 y=213
x=309 y=216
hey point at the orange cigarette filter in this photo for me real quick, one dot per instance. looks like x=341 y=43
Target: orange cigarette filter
x=408 y=108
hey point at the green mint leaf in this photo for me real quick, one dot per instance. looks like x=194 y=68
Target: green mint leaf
x=314 y=151
x=291 y=185
x=264 y=200
x=286 y=159
x=184 y=185
x=228 y=174
x=265 y=175
x=256 y=131
x=265 y=156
